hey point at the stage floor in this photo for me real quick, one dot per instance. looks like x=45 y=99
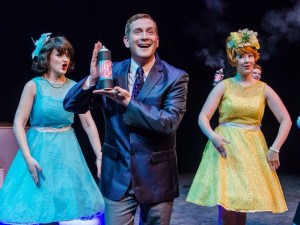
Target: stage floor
x=185 y=213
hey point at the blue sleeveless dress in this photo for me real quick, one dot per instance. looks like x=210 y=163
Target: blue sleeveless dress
x=66 y=189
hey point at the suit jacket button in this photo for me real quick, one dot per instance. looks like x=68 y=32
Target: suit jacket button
x=132 y=153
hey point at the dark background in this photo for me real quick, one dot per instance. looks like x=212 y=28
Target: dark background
x=192 y=37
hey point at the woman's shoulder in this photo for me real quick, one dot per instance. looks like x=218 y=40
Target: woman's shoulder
x=262 y=83
x=36 y=79
x=32 y=81
x=70 y=83
x=73 y=82
x=227 y=81
x=30 y=86
x=220 y=88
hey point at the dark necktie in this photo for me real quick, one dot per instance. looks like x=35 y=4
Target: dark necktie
x=138 y=82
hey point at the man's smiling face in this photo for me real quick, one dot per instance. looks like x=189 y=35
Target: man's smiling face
x=142 y=40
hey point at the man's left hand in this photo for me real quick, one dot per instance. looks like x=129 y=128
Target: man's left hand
x=117 y=94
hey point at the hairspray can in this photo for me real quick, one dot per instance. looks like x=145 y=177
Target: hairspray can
x=104 y=65
x=218 y=76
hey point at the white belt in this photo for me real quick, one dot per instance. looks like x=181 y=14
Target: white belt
x=239 y=125
x=52 y=129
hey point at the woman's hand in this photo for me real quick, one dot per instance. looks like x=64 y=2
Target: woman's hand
x=273 y=160
x=219 y=143
x=33 y=168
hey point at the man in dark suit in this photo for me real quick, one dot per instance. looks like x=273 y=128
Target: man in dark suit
x=139 y=162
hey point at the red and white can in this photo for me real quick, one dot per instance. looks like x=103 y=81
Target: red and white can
x=104 y=65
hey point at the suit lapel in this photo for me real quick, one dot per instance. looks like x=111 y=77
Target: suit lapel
x=153 y=77
x=123 y=76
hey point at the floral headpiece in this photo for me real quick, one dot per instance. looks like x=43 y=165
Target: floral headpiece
x=243 y=38
x=39 y=44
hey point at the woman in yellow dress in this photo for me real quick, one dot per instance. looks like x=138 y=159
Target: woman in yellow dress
x=238 y=169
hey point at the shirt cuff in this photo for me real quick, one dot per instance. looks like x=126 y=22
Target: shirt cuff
x=87 y=84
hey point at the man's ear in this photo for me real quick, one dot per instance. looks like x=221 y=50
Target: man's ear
x=126 y=41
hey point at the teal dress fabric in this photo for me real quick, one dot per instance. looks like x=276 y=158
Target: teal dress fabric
x=66 y=190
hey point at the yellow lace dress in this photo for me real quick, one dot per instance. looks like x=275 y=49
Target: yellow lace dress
x=243 y=181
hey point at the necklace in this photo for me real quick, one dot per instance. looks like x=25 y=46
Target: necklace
x=53 y=84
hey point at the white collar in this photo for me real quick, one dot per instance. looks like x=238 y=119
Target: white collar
x=146 y=68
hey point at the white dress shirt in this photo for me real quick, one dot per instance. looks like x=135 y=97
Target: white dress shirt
x=132 y=72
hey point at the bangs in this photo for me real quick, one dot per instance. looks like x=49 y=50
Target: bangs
x=63 y=46
x=245 y=50
x=248 y=49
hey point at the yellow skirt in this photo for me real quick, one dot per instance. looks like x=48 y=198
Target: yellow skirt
x=241 y=182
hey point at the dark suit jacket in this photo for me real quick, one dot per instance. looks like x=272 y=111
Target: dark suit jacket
x=140 y=140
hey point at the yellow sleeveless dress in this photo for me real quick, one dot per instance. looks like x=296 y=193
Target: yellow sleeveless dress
x=243 y=181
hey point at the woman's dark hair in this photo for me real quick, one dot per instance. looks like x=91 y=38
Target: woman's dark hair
x=40 y=63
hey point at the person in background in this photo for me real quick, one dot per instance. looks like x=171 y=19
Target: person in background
x=49 y=180
x=142 y=114
x=257 y=71
x=238 y=169
x=296 y=219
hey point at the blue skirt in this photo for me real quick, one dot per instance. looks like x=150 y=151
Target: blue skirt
x=66 y=189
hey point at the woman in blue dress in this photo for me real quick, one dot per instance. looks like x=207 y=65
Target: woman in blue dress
x=49 y=180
